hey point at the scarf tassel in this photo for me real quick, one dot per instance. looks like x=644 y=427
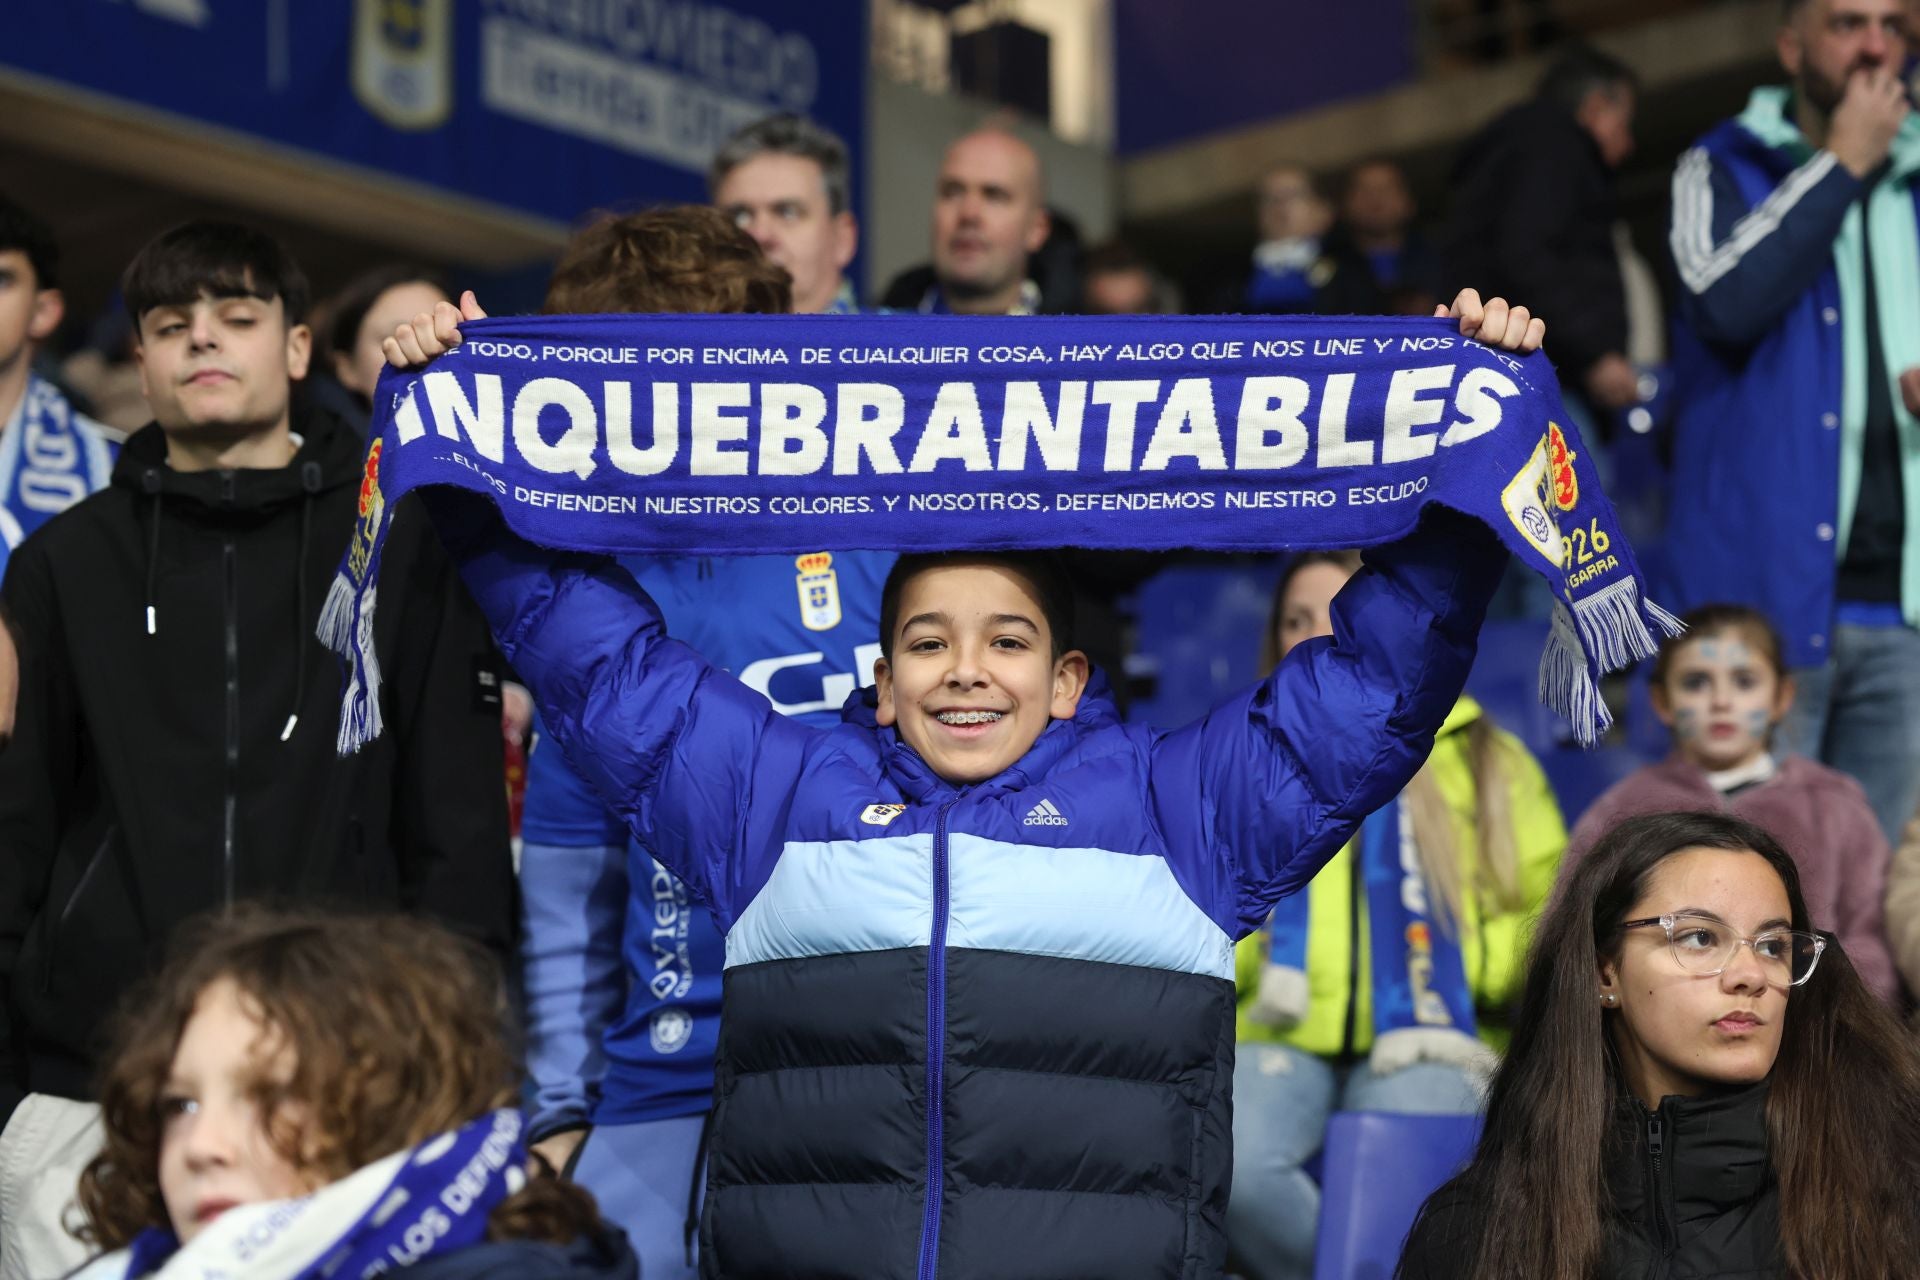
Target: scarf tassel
x=346 y=627
x=1608 y=630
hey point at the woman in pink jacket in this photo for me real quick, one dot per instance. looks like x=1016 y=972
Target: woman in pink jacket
x=1720 y=689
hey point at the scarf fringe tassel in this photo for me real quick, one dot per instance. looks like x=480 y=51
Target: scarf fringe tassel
x=1608 y=630
x=346 y=627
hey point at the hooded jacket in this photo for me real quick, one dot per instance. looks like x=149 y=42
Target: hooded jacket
x=1693 y=1190
x=603 y=1257
x=985 y=1030
x=1550 y=193
x=1820 y=815
x=175 y=743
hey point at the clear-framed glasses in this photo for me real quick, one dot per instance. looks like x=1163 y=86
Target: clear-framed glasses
x=1706 y=946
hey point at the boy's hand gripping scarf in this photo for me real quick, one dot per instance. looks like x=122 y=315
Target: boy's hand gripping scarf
x=429 y=1200
x=754 y=434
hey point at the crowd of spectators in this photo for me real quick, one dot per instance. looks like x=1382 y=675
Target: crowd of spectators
x=168 y=726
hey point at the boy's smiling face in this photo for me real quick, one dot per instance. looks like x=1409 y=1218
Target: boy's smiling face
x=973 y=680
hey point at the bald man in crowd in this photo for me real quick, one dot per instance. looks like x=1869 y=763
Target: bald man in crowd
x=989 y=218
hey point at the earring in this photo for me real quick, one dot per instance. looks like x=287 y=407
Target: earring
x=1609 y=999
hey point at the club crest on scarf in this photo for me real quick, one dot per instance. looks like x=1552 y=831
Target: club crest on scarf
x=819 y=591
x=1566 y=482
x=1241 y=433
x=346 y=617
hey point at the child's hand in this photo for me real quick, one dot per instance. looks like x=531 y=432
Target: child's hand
x=1910 y=390
x=1495 y=323
x=429 y=335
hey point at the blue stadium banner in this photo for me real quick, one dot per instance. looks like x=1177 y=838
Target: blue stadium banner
x=546 y=107
x=1182 y=71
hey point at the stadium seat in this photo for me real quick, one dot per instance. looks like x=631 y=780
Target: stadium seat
x=1380 y=1168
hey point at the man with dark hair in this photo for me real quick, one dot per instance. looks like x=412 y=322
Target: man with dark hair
x=1547 y=165
x=1116 y=281
x=784 y=181
x=175 y=747
x=1796 y=239
x=1382 y=261
x=50 y=456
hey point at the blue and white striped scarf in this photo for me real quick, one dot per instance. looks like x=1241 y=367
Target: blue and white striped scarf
x=694 y=434
x=50 y=458
x=423 y=1202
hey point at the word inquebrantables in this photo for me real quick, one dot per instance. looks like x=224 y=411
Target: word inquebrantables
x=566 y=425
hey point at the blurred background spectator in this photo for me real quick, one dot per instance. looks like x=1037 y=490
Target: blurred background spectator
x=1547 y=166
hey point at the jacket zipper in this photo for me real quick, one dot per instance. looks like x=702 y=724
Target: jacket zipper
x=936 y=1052
x=1657 y=1196
x=232 y=603
x=66 y=909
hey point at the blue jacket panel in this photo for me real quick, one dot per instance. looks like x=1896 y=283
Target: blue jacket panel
x=623 y=1012
x=1759 y=372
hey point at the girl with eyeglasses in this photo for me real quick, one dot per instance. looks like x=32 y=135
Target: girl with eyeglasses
x=1722 y=689
x=1698 y=1085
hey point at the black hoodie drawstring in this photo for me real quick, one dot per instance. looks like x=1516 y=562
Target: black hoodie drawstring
x=150 y=485
x=302 y=625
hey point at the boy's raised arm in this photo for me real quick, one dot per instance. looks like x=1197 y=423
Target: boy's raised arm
x=1271 y=784
x=674 y=746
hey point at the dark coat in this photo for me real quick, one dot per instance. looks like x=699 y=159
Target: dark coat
x=159 y=770
x=1531 y=220
x=608 y=1257
x=1694 y=1198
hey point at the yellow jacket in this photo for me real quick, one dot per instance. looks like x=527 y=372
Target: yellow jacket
x=1493 y=946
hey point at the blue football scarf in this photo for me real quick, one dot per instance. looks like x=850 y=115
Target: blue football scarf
x=424 y=1202
x=50 y=458
x=1422 y=1003
x=716 y=435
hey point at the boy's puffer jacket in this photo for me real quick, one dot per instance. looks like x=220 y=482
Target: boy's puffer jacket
x=981 y=1031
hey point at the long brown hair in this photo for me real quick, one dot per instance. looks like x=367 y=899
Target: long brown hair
x=1843 y=1100
x=398 y=1033
x=1495 y=869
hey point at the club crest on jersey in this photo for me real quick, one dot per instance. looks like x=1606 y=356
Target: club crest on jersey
x=819 y=591
x=879 y=815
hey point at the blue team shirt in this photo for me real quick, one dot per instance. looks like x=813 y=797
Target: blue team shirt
x=803 y=630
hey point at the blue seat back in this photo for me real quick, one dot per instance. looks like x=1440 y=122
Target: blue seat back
x=1380 y=1168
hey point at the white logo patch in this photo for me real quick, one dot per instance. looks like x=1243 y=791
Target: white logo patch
x=669 y=1029
x=879 y=815
x=1044 y=815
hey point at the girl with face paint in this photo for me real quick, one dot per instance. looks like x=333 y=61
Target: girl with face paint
x=1721 y=688
x=1699 y=1085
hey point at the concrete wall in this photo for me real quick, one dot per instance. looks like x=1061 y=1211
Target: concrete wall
x=907 y=132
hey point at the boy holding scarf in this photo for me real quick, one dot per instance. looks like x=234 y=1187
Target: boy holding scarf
x=979 y=981
x=50 y=456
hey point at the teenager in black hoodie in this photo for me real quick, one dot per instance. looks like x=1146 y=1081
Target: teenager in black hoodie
x=174 y=749
x=1699 y=1085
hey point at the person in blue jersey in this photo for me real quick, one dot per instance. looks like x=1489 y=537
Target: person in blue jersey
x=979 y=935
x=623 y=1014
x=51 y=456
